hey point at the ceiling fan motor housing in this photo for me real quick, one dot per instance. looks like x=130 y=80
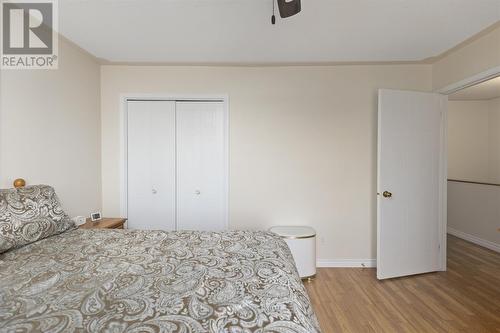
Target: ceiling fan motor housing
x=288 y=8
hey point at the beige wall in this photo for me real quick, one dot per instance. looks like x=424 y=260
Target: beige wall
x=303 y=139
x=474 y=213
x=473 y=140
x=50 y=129
x=302 y=142
x=472 y=58
x=474 y=154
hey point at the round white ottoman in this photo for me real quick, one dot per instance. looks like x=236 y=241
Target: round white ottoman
x=302 y=242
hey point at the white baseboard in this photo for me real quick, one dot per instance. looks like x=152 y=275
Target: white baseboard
x=346 y=263
x=473 y=239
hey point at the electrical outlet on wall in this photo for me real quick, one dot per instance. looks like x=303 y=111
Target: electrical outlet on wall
x=79 y=220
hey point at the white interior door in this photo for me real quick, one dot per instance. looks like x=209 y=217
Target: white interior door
x=151 y=165
x=411 y=182
x=201 y=166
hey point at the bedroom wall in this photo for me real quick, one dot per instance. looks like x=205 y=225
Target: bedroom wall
x=302 y=143
x=474 y=154
x=473 y=140
x=50 y=128
x=474 y=212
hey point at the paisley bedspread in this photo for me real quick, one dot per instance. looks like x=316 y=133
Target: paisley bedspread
x=154 y=281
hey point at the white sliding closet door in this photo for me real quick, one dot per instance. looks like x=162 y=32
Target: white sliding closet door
x=201 y=166
x=151 y=165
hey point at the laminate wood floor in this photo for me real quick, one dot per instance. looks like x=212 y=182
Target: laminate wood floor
x=466 y=298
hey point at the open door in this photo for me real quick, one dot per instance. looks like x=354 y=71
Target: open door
x=411 y=183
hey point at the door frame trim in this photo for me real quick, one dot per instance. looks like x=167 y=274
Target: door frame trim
x=443 y=188
x=124 y=98
x=470 y=81
x=448 y=90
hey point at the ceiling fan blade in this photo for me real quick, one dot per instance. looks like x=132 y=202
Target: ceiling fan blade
x=288 y=8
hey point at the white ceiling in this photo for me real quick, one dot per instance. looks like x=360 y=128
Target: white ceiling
x=486 y=90
x=239 y=31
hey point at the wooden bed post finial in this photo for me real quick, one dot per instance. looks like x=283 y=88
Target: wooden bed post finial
x=19 y=182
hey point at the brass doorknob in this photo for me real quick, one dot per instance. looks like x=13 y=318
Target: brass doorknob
x=387 y=194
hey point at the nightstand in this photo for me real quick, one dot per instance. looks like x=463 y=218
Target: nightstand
x=302 y=243
x=104 y=223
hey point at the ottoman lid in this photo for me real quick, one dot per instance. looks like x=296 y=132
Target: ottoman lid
x=293 y=231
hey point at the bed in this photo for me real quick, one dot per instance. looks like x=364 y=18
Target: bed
x=80 y=280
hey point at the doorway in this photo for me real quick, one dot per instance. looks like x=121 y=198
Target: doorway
x=474 y=164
